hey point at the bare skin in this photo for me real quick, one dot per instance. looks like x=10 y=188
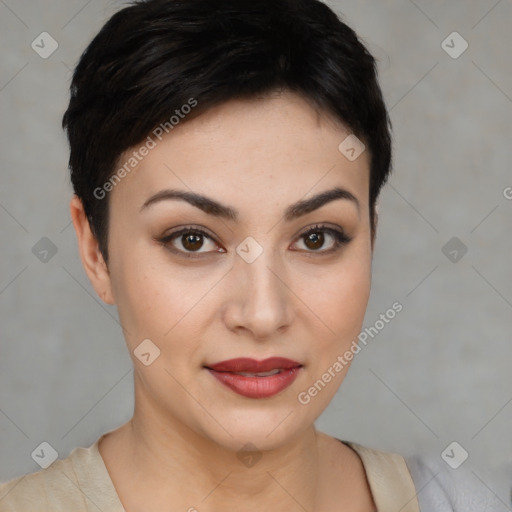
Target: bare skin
x=296 y=300
x=337 y=470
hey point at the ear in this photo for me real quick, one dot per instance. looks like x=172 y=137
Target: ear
x=91 y=256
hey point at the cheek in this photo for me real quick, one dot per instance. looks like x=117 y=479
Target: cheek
x=341 y=309
x=148 y=306
x=160 y=303
x=346 y=311
x=341 y=298
x=144 y=300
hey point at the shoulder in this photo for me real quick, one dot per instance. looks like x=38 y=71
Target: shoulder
x=436 y=486
x=36 y=491
x=389 y=478
x=444 y=489
x=74 y=483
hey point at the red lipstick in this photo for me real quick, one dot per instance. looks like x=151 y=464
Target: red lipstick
x=256 y=379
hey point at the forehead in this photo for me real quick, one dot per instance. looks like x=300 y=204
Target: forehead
x=249 y=150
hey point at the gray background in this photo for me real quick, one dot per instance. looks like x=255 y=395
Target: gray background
x=439 y=372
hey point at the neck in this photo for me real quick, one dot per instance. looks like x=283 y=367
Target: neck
x=207 y=476
x=155 y=461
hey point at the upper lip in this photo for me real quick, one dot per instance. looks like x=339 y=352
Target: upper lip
x=245 y=364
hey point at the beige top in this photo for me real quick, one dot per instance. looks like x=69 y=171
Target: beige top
x=81 y=483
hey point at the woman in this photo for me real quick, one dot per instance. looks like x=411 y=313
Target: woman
x=226 y=160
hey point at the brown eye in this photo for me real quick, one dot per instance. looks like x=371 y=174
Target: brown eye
x=315 y=238
x=192 y=242
x=188 y=242
x=314 y=241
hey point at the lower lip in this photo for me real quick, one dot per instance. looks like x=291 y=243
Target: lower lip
x=257 y=387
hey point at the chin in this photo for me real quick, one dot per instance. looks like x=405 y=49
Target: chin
x=267 y=430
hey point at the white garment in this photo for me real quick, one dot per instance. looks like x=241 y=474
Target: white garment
x=443 y=489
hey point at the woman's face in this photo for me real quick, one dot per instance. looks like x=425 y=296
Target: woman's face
x=253 y=286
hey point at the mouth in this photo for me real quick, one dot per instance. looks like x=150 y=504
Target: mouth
x=256 y=379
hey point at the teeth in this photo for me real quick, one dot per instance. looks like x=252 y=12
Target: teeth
x=261 y=374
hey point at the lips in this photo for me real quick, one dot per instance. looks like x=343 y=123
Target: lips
x=247 y=365
x=256 y=379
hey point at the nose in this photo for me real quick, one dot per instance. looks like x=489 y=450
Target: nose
x=261 y=302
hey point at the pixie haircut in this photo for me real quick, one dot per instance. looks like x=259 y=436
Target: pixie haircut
x=155 y=59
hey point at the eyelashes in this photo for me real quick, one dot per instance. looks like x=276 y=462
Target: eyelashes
x=192 y=238
x=339 y=236
x=191 y=234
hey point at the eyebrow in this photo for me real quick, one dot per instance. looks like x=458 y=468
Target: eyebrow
x=213 y=207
